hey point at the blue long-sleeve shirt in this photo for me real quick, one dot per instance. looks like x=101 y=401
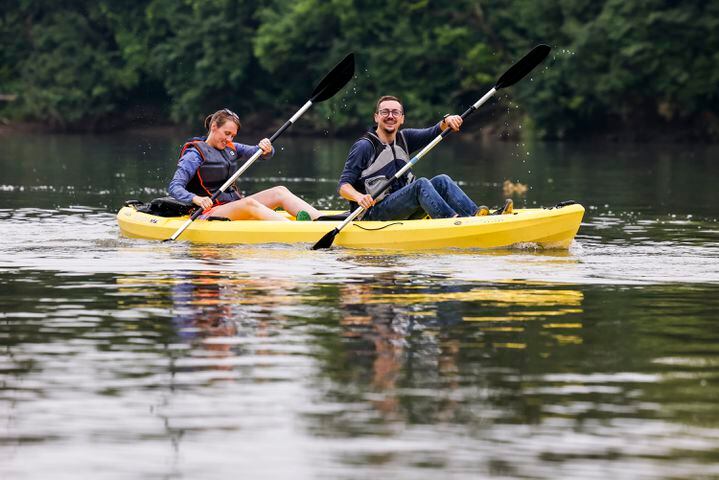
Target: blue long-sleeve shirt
x=191 y=161
x=362 y=153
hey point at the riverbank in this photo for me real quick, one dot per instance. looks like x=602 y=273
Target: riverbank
x=476 y=129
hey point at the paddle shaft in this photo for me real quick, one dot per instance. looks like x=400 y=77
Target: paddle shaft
x=242 y=169
x=417 y=157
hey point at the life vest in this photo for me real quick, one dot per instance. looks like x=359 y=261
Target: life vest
x=387 y=161
x=217 y=166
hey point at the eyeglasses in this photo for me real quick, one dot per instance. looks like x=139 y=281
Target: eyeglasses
x=230 y=113
x=385 y=112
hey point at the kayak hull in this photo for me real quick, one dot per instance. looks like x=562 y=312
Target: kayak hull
x=553 y=228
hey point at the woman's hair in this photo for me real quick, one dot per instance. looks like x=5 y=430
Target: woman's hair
x=220 y=117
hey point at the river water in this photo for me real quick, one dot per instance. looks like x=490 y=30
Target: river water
x=123 y=358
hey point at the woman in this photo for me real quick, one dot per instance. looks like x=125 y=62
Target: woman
x=206 y=164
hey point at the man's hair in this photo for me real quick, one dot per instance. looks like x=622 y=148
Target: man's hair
x=384 y=99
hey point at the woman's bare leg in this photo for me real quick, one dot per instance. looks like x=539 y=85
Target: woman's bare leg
x=281 y=197
x=247 y=208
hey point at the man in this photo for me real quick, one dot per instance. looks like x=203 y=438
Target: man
x=379 y=154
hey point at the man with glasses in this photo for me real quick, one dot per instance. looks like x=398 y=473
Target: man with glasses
x=378 y=155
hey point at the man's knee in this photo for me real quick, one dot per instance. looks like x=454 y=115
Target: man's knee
x=423 y=185
x=442 y=179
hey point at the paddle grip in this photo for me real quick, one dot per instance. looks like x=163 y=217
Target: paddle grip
x=291 y=121
x=279 y=132
x=466 y=113
x=197 y=213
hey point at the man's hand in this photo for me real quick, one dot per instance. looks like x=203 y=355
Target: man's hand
x=452 y=121
x=365 y=201
x=348 y=192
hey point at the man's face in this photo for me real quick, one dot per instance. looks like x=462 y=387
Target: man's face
x=390 y=116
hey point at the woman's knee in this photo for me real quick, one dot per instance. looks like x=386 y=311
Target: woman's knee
x=250 y=204
x=280 y=191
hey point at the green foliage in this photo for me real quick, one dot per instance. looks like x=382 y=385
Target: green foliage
x=201 y=52
x=650 y=64
x=72 y=73
x=11 y=54
x=630 y=65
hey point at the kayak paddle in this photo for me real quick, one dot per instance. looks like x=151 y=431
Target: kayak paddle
x=327 y=88
x=515 y=73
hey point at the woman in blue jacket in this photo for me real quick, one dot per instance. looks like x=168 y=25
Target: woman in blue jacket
x=207 y=162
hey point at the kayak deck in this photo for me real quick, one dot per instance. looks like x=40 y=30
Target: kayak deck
x=547 y=227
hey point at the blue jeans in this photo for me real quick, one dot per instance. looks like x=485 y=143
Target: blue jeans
x=440 y=197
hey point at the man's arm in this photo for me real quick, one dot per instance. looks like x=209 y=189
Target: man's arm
x=348 y=192
x=358 y=158
x=419 y=137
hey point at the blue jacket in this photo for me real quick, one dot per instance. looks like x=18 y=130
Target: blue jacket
x=190 y=163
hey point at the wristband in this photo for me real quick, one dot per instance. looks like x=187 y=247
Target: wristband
x=444 y=120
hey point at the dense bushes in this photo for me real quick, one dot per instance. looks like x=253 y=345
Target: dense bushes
x=640 y=67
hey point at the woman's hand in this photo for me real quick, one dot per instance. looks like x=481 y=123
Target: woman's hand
x=266 y=146
x=203 y=202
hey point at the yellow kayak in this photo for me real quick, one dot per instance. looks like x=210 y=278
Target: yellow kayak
x=546 y=227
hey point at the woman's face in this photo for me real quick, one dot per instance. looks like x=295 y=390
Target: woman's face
x=223 y=134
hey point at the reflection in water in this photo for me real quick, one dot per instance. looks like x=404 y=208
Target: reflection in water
x=208 y=308
x=393 y=370
x=391 y=330
x=198 y=310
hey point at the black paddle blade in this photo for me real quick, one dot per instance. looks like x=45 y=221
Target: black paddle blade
x=517 y=71
x=326 y=241
x=335 y=80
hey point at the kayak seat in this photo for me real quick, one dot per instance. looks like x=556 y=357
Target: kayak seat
x=162 y=207
x=333 y=218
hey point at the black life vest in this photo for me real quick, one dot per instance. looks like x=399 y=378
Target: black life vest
x=217 y=166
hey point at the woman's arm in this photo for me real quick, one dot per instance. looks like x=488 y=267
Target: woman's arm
x=186 y=169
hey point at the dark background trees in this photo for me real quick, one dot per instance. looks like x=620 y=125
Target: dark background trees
x=640 y=69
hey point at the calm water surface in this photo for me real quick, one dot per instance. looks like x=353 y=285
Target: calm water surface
x=125 y=358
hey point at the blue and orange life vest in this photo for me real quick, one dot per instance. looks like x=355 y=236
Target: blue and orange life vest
x=217 y=166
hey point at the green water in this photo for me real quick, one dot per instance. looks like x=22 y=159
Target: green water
x=124 y=358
